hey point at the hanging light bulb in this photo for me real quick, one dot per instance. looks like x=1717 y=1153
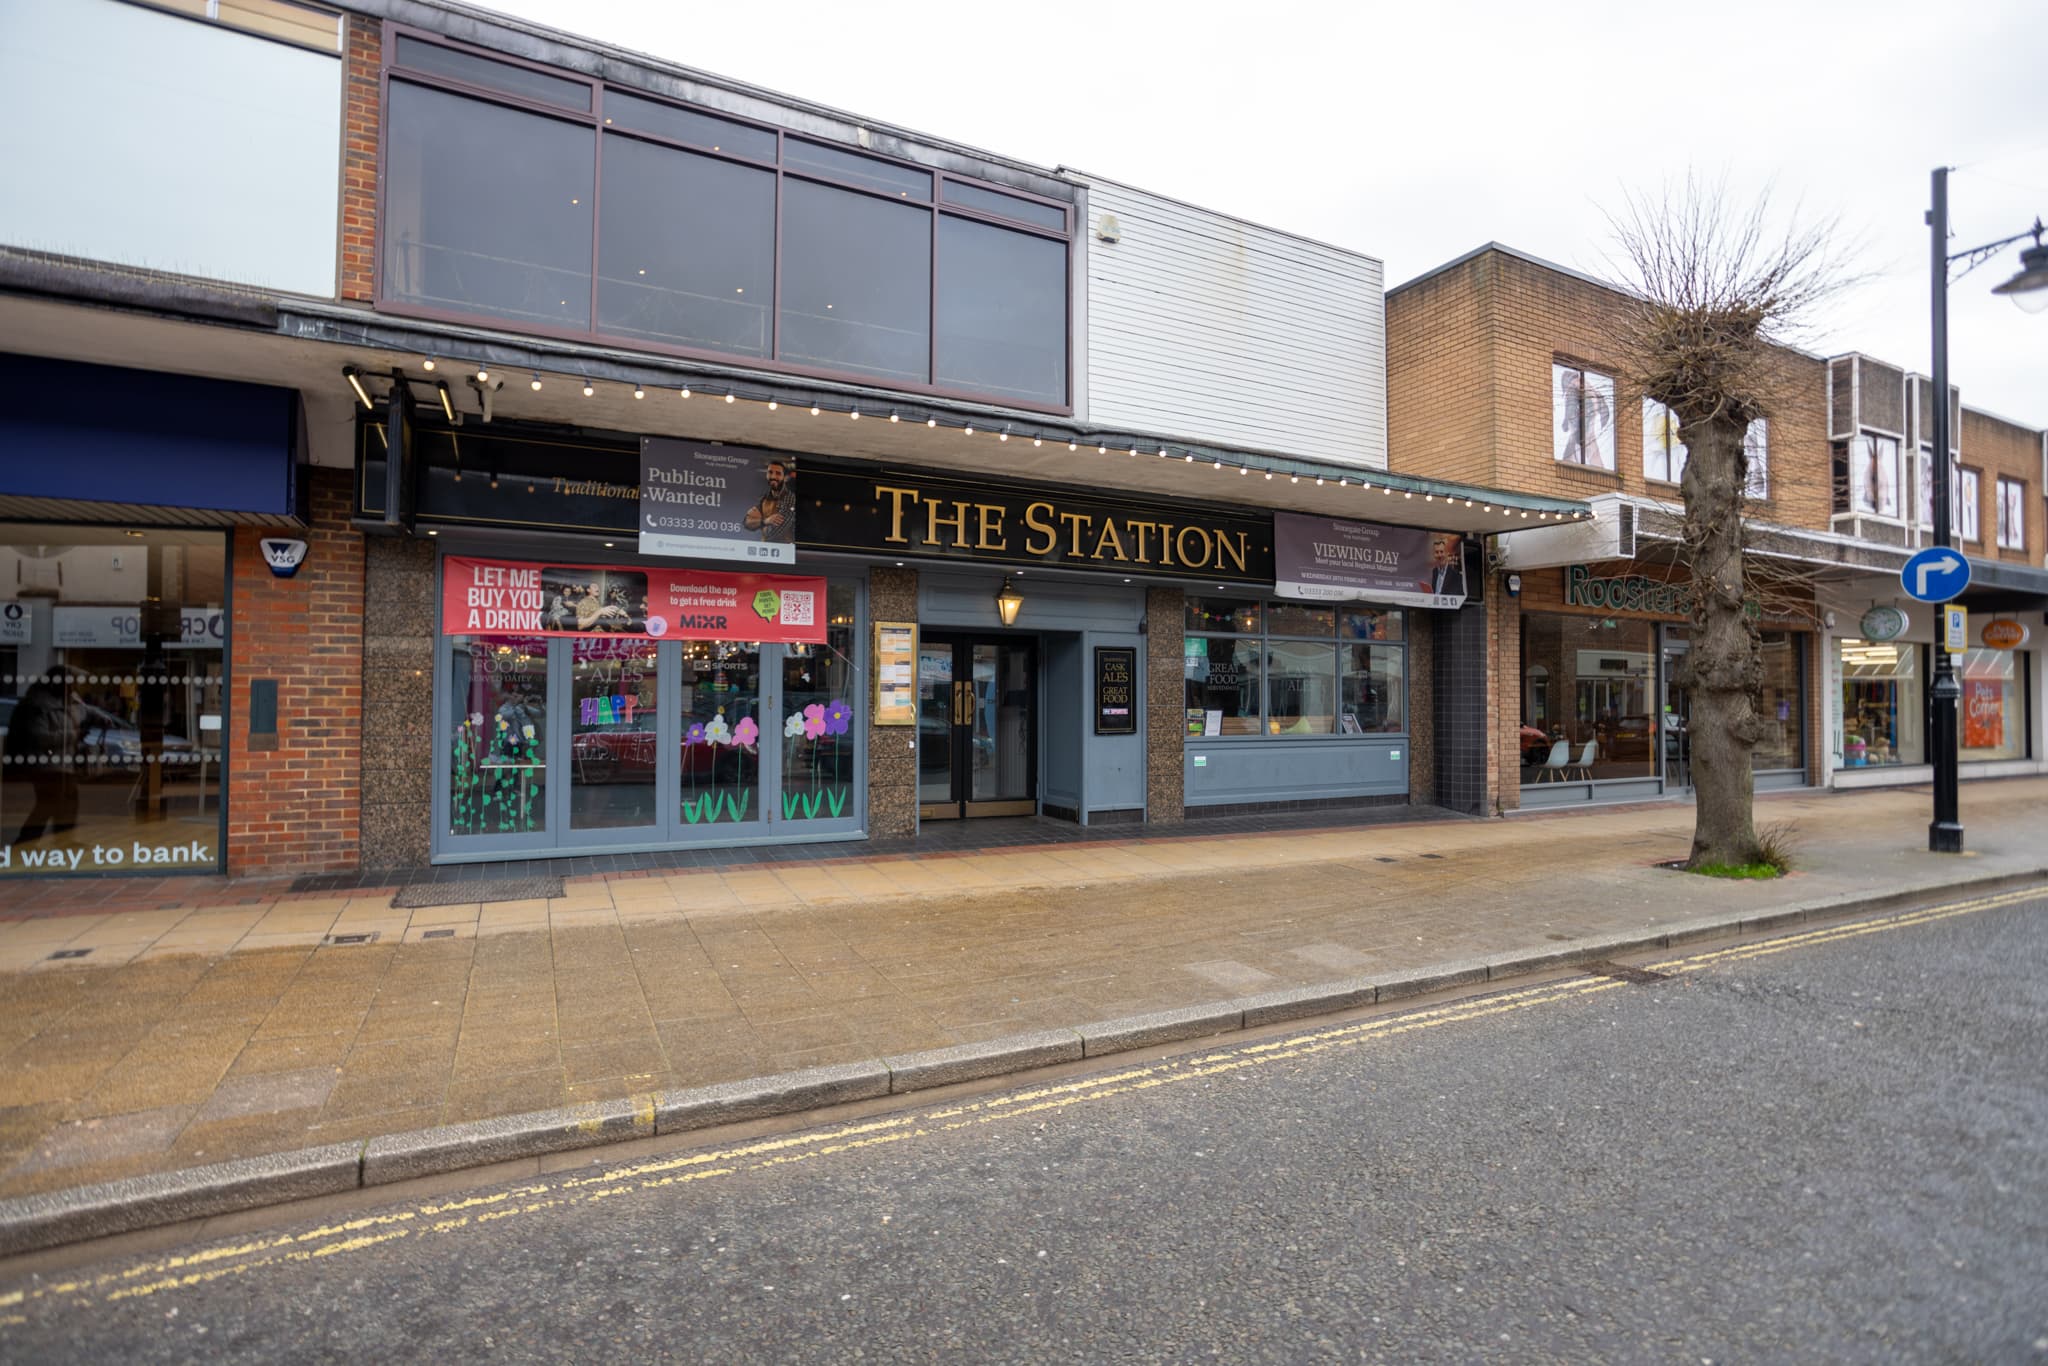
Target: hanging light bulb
x=1003 y=435
x=731 y=397
x=1319 y=481
x=931 y=422
x=639 y=392
x=970 y=429
x=588 y=389
x=1219 y=465
x=1294 y=479
x=483 y=375
x=428 y=363
x=1073 y=446
x=1189 y=458
x=536 y=381
x=894 y=416
x=854 y=415
x=1037 y=441
x=685 y=391
x=773 y=405
x=814 y=410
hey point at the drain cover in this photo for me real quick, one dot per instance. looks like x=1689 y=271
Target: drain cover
x=1382 y=858
x=70 y=953
x=437 y=934
x=475 y=889
x=1432 y=856
x=369 y=937
x=1621 y=972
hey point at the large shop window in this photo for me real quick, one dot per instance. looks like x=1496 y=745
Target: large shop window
x=1588 y=694
x=595 y=729
x=713 y=236
x=1780 y=704
x=112 y=700
x=1883 y=707
x=1993 y=717
x=1282 y=669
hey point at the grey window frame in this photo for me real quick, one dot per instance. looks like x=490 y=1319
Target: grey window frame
x=594 y=119
x=1265 y=636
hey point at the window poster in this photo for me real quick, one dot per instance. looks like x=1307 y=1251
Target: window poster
x=1983 y=713
x=645 y=601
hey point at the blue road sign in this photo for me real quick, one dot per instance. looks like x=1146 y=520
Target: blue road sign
x=1936 y=574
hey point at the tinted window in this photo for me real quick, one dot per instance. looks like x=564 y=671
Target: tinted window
x=1008 y=205
x=687 y=125
x=436 y=60
x=1002 y=312
x=856 y=282
x=688 y=249
x=855 y=169
x=471 y=226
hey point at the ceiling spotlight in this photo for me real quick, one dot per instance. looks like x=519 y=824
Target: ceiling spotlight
x=355 y=382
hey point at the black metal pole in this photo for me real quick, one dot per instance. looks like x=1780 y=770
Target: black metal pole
x=1945 y=832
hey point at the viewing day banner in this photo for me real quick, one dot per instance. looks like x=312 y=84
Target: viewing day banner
x=1327 y=559
x=651 y=602
x=716 y=502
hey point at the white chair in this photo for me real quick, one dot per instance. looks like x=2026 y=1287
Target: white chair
x=1558 y=764
x=1584 y=767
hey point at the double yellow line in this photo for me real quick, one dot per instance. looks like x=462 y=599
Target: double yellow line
x=637 y=1179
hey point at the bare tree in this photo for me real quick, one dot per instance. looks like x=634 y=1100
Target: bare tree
x=1719 y=295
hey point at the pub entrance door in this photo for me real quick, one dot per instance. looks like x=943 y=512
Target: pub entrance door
x=977 y=726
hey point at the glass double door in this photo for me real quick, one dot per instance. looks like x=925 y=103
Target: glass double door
x=977 y=728
x=1675 y=727
x=581 y=744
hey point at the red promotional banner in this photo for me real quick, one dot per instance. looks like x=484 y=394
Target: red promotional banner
x=650 y=602
x=1983 y=713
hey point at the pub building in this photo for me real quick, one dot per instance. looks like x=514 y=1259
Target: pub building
x=823 y=648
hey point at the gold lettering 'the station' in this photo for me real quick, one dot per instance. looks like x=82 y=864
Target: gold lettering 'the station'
x=958 y=524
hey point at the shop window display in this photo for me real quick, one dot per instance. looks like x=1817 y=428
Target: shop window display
x=112 y=702
x=498 y=770
x=1993 y=716
x=1883 y=706
x=721 y=731
x=1293 y=668
x=1589 y=681
x=819 y=699
x=1781 y=745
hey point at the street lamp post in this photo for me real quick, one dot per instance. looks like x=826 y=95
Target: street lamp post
x=2028 y=289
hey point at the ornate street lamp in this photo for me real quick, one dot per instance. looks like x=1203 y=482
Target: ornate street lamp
x=2028 y=289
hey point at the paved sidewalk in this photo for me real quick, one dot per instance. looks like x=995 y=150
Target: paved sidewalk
x=196 y=1034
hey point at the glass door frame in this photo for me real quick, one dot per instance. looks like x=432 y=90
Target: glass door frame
x=1672 y=645
x=962 y=643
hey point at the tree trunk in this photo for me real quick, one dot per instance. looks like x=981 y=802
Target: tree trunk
x=1723 y=670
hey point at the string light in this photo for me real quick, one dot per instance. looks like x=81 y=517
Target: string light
x=855 y=414
x=773 y=405
x=814 y=410
x=970 y=429
x=1190 y=459
x=1003 y=435
x=686 y=393
x=639 y=392
x=1072 y=446
x=483 y=376
x=1036 y=442
x=931 y=422
x=428 y=363
x=536 y=381
x=1218 y=465
x=588 y=389
x=894 y=416
x=731 y=397
x=1102 y=450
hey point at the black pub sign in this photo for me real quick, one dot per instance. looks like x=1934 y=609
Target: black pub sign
x=1116 y=690
x=921 y=513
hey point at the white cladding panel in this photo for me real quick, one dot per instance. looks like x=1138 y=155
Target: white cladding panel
x=1208 y=328
x=138 y=137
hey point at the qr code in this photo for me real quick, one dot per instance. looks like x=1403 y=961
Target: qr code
x=797 y=608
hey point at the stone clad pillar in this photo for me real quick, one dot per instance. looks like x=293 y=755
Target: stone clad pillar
x=1165 y=704
x=892 y=753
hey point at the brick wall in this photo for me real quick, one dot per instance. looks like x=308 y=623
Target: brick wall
x=363 y=116
x=293 y=805
x=1469 y=353
x=2000 y=449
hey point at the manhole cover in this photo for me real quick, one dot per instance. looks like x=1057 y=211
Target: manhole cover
x=421 y=894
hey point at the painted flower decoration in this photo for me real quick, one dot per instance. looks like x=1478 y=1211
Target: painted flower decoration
x=717 y=732
x=837 y=717
x=814 y=721
x=527 y=730
x=695 y=734
x=503 y=724
x=794 y=726
x=746 y=732
x=476 y=718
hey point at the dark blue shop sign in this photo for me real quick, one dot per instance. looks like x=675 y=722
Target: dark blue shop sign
x=98 y=433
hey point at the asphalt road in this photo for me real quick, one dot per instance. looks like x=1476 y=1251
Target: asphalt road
x=1831 y=1147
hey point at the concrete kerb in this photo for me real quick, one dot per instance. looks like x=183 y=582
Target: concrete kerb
x=30 y=1223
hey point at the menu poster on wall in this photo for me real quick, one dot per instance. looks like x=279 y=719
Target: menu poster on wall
x=1983 y=713
x=15 y=623
x=1328 y=559
x=1116 y=690
x=895 y=666
x=716 y=502
x=649 y=602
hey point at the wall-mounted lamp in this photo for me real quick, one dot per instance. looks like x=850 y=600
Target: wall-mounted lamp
x=1514 y=585
x=1009 y=602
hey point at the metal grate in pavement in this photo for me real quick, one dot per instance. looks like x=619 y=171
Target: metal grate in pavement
x=460 y=890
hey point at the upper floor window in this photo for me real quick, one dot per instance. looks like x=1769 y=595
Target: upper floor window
x=287 y=21
x=664 y=226
x=1874 y=475
x=1663 y=452
x=1965 y=495
x=1756 y=454
x=1582 y=416
x=2012 y=514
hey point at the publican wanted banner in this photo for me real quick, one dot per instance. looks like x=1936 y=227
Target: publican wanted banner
x=1328 y=559
x=511 y=597
x=716 y=502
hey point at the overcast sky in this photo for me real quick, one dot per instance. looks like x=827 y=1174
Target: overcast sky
x=1418 y=132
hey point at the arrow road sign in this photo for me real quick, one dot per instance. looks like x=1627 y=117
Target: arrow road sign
x=1936 y=574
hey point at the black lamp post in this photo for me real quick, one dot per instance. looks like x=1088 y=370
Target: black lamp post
x=2028 y=289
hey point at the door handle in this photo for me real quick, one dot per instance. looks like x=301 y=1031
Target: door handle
x=962 y=710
